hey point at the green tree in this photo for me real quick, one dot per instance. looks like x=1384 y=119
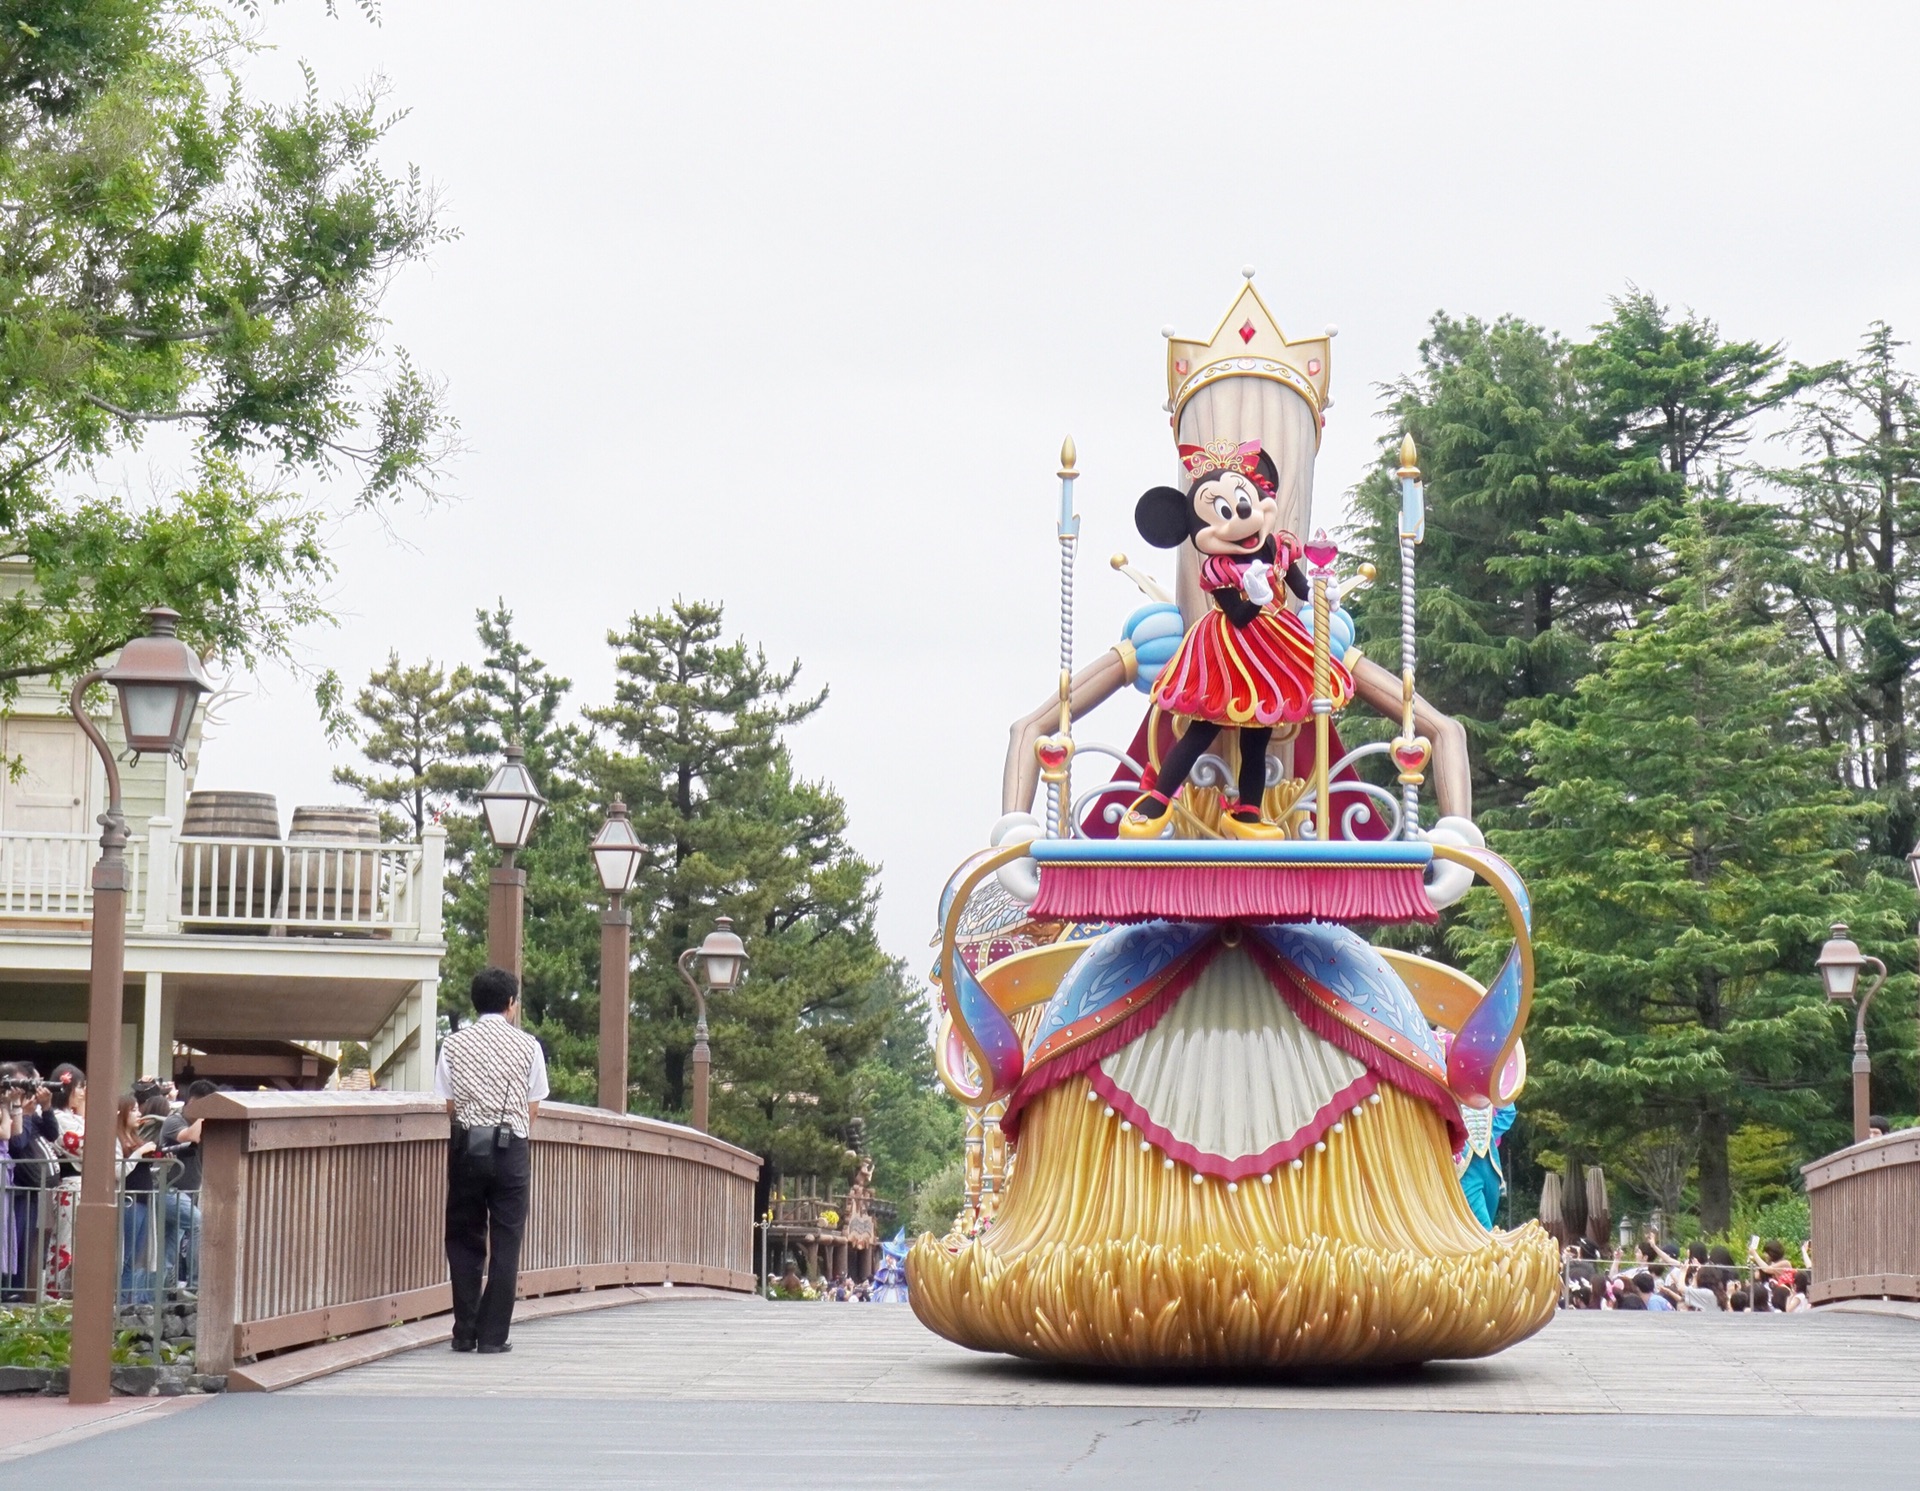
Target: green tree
x=512 y=696
x=695 y=745
x=1554 y=470
x=174 y=256
x=912 y=1125
x=1687 y=847
x=412 y=717
x=1853 y=526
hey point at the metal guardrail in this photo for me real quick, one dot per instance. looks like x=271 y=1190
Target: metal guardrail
x=159 y=1247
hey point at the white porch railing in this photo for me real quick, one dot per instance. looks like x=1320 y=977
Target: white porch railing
x=49 y=876
x=309 y=888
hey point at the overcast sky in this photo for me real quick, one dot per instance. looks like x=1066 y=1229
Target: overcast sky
x=873 y=262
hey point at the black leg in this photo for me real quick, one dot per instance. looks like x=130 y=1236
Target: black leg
x=507 y=1221
x=466 y=1239
x=1253 y=770
x=1179 y=763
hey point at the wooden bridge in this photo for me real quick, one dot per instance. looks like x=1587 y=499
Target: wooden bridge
x=323 y=1214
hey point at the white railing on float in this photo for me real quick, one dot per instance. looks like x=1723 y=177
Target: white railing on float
x=49 y=876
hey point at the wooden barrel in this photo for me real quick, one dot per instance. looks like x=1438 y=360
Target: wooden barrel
x=326 y=882
x=230 y=880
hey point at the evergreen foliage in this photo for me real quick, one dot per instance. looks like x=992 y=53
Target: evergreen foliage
x=1688 y=702
x=825 y=1048
x=412 y=717
x=694 y=743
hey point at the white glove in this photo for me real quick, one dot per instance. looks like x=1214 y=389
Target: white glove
x=1258 y=583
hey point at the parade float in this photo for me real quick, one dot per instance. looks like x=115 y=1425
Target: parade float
x=1212 y=1125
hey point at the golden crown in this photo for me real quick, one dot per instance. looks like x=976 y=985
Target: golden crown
x=1248 y=343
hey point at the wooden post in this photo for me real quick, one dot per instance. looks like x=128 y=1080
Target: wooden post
x=505 y=907
x=96 y=1223
x=616 y=934
x=223 y=1212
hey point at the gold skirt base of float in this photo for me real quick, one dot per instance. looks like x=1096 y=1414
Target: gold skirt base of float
x=1335 y=1264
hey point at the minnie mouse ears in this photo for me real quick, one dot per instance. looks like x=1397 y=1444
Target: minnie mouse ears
x=1164 y=517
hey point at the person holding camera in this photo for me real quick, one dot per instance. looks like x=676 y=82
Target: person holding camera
x=492 y=1075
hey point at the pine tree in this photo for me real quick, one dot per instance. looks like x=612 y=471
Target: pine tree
x=513 y=697
x=1854 y=524
x=1687 y=848
x=1554 y=470
x=913 y=1126
x=696 y=748
x=413 y=719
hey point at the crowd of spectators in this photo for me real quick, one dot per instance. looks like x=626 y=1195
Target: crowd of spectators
x=1707 y=1279
x=43 y=1122
x=793 y=1285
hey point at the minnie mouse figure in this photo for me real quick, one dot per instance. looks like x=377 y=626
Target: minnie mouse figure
x=1248 y=663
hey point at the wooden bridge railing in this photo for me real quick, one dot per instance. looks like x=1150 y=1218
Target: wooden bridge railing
x=1866 y=1220
x=323 y=1214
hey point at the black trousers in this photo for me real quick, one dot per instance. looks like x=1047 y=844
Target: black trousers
x=486 y=1215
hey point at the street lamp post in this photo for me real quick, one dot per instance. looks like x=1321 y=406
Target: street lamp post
x=512 y=805
x=1840 y=962
x=616 y=860
x=722 y=960
x=159 y=681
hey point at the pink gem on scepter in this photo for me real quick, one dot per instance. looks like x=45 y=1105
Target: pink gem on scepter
x=1321 y=550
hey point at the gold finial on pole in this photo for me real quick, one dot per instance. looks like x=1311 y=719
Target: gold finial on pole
x=1068 y=456
x=1409 y=457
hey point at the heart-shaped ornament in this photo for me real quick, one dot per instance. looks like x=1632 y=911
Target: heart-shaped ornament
x=1052 y=751
x=1321 y=550
x=1411 y=755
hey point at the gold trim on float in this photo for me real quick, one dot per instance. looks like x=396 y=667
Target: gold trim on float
x=1106 y=1252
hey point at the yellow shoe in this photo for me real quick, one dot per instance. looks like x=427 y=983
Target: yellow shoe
x=1137 y=825
x=1233 y=826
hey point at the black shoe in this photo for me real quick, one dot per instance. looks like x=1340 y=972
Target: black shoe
x=464 y=1343
x=495 y=1350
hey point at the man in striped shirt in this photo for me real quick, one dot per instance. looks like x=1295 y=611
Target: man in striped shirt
x=493 y=1076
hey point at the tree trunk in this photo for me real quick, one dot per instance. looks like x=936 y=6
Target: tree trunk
x=1716 y=1183
x=673 y=1075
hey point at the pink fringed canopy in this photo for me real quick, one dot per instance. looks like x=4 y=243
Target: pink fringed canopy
x=1117 y=891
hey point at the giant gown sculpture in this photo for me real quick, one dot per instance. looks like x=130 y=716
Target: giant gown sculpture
x=1231 y=1120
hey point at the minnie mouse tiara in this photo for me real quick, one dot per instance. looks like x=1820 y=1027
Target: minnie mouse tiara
x=1223 y=455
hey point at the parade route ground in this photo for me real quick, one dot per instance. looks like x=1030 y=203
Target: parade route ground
x=741 y=1393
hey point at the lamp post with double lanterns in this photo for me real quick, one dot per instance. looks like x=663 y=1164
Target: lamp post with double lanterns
x=1840 y=962
x=722 y=967
x=617 y=852
x=512 y=805
x=159 y=681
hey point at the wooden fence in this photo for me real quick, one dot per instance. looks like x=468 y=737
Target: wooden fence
x=323 y=1214
x=1866 y=1220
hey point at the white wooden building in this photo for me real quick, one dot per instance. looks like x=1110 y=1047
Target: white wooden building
x=229 y=941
